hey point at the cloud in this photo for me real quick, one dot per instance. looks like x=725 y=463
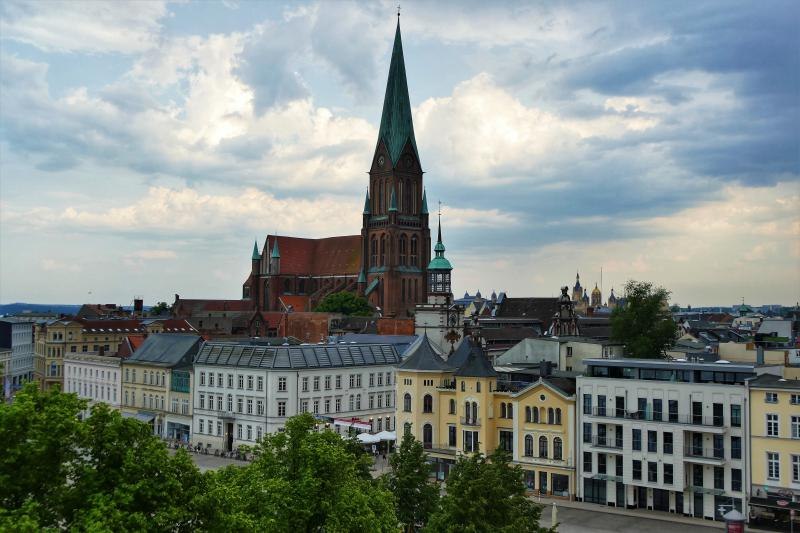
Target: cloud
x=53 y=265
x=79 y=26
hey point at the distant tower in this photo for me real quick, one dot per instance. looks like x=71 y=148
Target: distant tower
x=577 y=290
x=275 y=259
x=597 y=297
x=566 y=321
x=612 y=300
x=439 y=271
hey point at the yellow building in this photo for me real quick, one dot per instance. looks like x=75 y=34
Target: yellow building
x=156 y=384
x=58 y=337
x=459 y=406
x=774 y=448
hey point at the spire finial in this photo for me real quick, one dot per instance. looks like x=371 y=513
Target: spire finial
x=398 y=10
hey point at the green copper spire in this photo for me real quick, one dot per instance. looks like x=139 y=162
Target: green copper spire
x=366 y=204
x=256 y=255
x=396 y=126
x=361 y=277
x=393 y=202
x=276 y=254
x=439 y=262
x=424 y=202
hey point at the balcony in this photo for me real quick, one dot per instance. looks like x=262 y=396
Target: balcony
x=712 y=423
x=470 y=421
x=447 y=385
x=709 y=456
x=606 y=443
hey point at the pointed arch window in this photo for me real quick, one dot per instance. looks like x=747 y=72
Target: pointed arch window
x=414 y=250
x=402 y=249
x=383 y=250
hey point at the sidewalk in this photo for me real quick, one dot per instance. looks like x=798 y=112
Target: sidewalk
x=635 y=513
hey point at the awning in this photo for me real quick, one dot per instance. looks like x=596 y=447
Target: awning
x=372 y=285
x=366 y=438
x=142 y=417
x=351 y=422
x=386 y=435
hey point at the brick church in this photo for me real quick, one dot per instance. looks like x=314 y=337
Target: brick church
x=387 y=262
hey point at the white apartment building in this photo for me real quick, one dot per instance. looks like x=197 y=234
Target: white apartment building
x=243 y=391
x=663 y=435
x=16 y=335
x=94 y=377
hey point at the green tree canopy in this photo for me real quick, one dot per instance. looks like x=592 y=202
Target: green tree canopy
x=302 y=480
x=644 y=324
x=486 y=494
x=415 y=497
x=160 y=308
x=346 y=303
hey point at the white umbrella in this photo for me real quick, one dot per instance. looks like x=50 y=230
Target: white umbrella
x=366 y=438
x=386 y=435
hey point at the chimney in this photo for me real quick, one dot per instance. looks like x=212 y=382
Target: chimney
x=759 y=355
x=138 y=307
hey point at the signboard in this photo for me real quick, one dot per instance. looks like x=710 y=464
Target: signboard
x=735 y=527
x=782 y=503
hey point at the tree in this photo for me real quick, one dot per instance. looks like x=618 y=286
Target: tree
x=301 y=480
x=644 y=324
x=346 y=303
x=486 y=494
x=160 y=308
x=415 y=497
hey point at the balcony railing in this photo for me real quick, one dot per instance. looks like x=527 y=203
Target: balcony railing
x=606 y=442
x=704 y=453
x=470 y=421
x=644 y=416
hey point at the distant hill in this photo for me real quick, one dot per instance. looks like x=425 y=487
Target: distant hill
x=20 y=308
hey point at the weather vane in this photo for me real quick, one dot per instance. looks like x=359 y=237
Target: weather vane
x=398 y=10
x=440 y=208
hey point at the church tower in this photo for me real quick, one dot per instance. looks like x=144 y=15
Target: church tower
x=395 y=233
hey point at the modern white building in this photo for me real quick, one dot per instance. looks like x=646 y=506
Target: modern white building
x=663 y=435
x=95 y=377
x=16 y=335
x=243 y=391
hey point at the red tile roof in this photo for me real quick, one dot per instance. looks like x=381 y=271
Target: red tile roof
x=329 y=256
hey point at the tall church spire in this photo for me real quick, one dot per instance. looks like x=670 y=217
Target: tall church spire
x=396 y=126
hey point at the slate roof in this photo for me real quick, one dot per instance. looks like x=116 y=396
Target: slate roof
x=459 y=357
x=318 y=257
x=476 y=366
x=401 y=342
x=297 y=357
x=771 y=381
x=423 y=356
x=397 y=127
x=540 y=308
x=166 y=349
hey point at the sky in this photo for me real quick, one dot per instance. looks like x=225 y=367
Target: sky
x=145 y=145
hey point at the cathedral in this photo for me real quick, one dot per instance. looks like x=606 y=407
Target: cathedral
x=387 y=262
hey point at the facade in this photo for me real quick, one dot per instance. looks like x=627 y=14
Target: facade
x=94 y=377
x=151 y=393
x=387 y=262
x=244 y=391
x=16 y=335
x=567 y=353
x=457 y=407
x=663 y=435
x=774 y=459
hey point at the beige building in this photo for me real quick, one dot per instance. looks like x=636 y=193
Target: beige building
x=774 y=461
x=461 y=406
x=156 y=383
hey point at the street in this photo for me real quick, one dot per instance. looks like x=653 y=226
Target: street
x=579 y=520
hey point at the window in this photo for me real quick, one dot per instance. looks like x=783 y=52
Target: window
x=260 y=407
x=451 y=434
x=587 y=430
x=358 y=380
x=452 y=406
x=636 y=439
x=406 y=403
x=667 y=474
x=230 y=381
x=202 y=401
x=230 y=402
x=241 y=381
x=304 y=384
x=210 y=379
x=652 y=472
x=249 y=382
x=352 y=380
x=260 y=384
x=249 y=406
x=327 y=383
x=736 y=416
x=771 y=397
x=351 y=402
x=637 y=469
x=219 y=403
x=259 y=432
x=558 y=416
x=315 y=408
x=202 y=378
x=316 y=383
x=772 y=425
x=587 y=404
x=220 y=382
x=281 y=407
x=427 y=404
x=239 y=431
x=388 y=378
x=601 y=463
x=795 y=399
x=773 y=466
x=558 y=448
x=304 y=406
x=673 y=410
x=736 y=447
x=551 y=416
x=543 y=446
x=736 y=479
x=338 y=405
x=667 y=444
x=587 y=462
x=463 y=386
x=795 y=427
x=719 y=477
x=658 y=410
x=652 y=441
x=202 y=425
x=239 y=405
x=219 y=429
x=371 y=379
x=282 y=384
x=618 y=466
x=339 y=382
x=471 y=443
x=249 y=432
x=528 y=446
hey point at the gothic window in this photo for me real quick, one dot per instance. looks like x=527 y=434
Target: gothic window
x=427 y=404
x=407 y=402
x=402 y=250
x=407 y=197
x=400 y=192
x=383 y=250
x=414 y=250
x=414 y=197
x=379 y=208
x=373 y=252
